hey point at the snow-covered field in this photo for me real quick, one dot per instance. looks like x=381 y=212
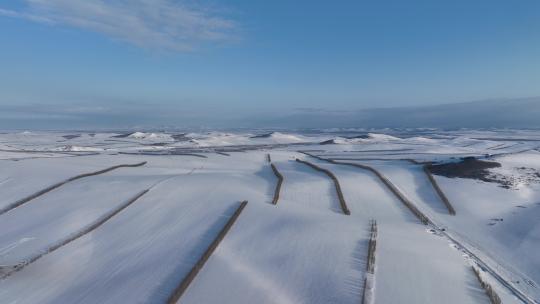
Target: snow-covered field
x=133 y=234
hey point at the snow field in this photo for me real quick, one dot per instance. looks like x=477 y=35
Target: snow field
x=303 y=250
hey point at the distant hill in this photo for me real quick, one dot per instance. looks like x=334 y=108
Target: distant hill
x=500 y=113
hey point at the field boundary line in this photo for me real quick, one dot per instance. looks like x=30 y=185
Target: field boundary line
x=41 y=192
x=385 y=181
x=180 y=289
x=439 y=191
x=368 y=296
x=341 y=198
x=102 y=220
x=491 y=270
x=277 y=190
x=490 y=292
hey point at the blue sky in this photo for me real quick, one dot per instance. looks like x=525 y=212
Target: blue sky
x=246 y=55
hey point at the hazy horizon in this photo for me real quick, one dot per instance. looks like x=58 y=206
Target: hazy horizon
x=122 y=63
x=519 y=113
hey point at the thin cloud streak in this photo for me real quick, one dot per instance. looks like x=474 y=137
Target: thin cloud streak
x=151 y=24
x=28 y=16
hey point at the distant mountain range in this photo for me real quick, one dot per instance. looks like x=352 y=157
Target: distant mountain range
x=500 y=113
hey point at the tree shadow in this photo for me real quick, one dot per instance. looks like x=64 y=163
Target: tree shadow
x=426 y=192
x=334 y=204
x=267 y=174
x=358 y=261
x=474 y=289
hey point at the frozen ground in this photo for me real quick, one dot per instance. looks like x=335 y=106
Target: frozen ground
x=95 y=244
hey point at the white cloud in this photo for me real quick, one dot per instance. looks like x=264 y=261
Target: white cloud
x=15 y=14
x=155 y=24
